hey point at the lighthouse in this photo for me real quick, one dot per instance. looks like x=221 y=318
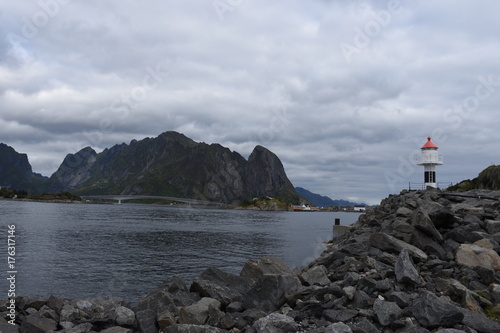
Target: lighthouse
x=429 y=158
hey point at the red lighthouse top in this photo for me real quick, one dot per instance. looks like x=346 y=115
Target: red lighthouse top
x=429 y=144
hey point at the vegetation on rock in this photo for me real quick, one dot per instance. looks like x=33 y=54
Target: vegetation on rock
x=488 y=179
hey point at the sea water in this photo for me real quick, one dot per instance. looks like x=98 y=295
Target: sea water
x=90 y=250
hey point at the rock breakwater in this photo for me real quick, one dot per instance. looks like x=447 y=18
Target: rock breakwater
x=425 y=261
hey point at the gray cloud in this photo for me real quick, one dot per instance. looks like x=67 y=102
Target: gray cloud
x=345 y=125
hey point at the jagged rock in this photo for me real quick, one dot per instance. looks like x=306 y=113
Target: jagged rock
x=339 y=315
x=125 y=316
x=317 y=275
x=35 y=324
x=271 y=291
x=349 y=292
x=82 y=328
x=465 y=233
x=387 y=312
x=70 y=313
x=25 y=302
x=117 y=329
x=479 y=322
x=251 y=315
x=190 y=328
x=47 y=312
x=275 y=323
x=431 y=311
x=391 y=244
x=450 y=330
x=166 y=319
x=361 y=300
x=9 y=328
x=405 y=270
x=402 y=299
x=198 y=312
x=234 y=307
x=476 y=255
x=146 y=321
x=404 y=212
x=55 y=303
x=495 y=292
x=364 y=326
x=441 y=216
x=422 y=221
x=338 y=328
x=66 y=325
x=492 y=226
x=168 y=297
x=220 y=285
x=255 y=268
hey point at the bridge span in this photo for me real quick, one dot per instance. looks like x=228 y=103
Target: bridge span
x=122 y=197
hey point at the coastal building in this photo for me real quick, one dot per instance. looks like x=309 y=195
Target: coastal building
x=359 y=208
x=429 y=158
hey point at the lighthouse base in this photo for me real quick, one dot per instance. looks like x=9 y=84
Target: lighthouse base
x=423 y=186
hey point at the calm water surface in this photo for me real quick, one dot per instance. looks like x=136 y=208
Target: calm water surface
x=73 y=250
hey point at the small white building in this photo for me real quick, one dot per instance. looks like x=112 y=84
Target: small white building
x=429 y=158
x=359 y=208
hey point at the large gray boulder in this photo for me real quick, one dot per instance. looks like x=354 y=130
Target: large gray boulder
x=385 y=242
x=479 y=322
x=441 y=216
x=9 y=328
x=316 y=275
x=432 y=311
x=191 y=328
x=36 y=324
x=124 y=316
x=117 y=329
x=422 y=221
x=255 y=268
x=405 y=270
x=271 y=291
x=492 y=226
x=146 y=321
x=338 y=328
x=168 y=297
x=276 y=323
x=225 y=287
x=198 y=313
x=386 y=312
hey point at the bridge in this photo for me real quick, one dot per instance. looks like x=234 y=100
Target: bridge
x=121 y=198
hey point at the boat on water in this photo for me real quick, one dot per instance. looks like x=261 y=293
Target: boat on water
x=304 y=208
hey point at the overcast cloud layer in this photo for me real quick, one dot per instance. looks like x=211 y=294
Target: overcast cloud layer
x=344 y=92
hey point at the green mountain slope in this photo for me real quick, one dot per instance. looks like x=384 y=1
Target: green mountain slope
x=488 y=179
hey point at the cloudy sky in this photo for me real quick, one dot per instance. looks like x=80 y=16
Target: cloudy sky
x=344 y=92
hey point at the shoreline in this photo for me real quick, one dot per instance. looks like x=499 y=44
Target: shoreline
x=421 y=261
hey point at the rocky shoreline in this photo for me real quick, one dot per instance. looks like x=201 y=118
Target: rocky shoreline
x=424 y=261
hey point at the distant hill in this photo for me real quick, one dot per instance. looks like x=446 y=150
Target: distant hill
x=488 y=179
x=168 y=165
x=324 y=201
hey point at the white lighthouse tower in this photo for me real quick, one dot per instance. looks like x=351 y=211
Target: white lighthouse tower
x=429 y=158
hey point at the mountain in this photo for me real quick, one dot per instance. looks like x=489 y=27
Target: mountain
x=174 y=165
x=323 y=201
x=488 y=179
x=16 y=172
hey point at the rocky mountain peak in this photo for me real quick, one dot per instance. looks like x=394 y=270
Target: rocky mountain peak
x=74 y=170
x=15 y=169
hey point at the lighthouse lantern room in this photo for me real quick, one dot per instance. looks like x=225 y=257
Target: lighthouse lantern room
x=429 y=158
